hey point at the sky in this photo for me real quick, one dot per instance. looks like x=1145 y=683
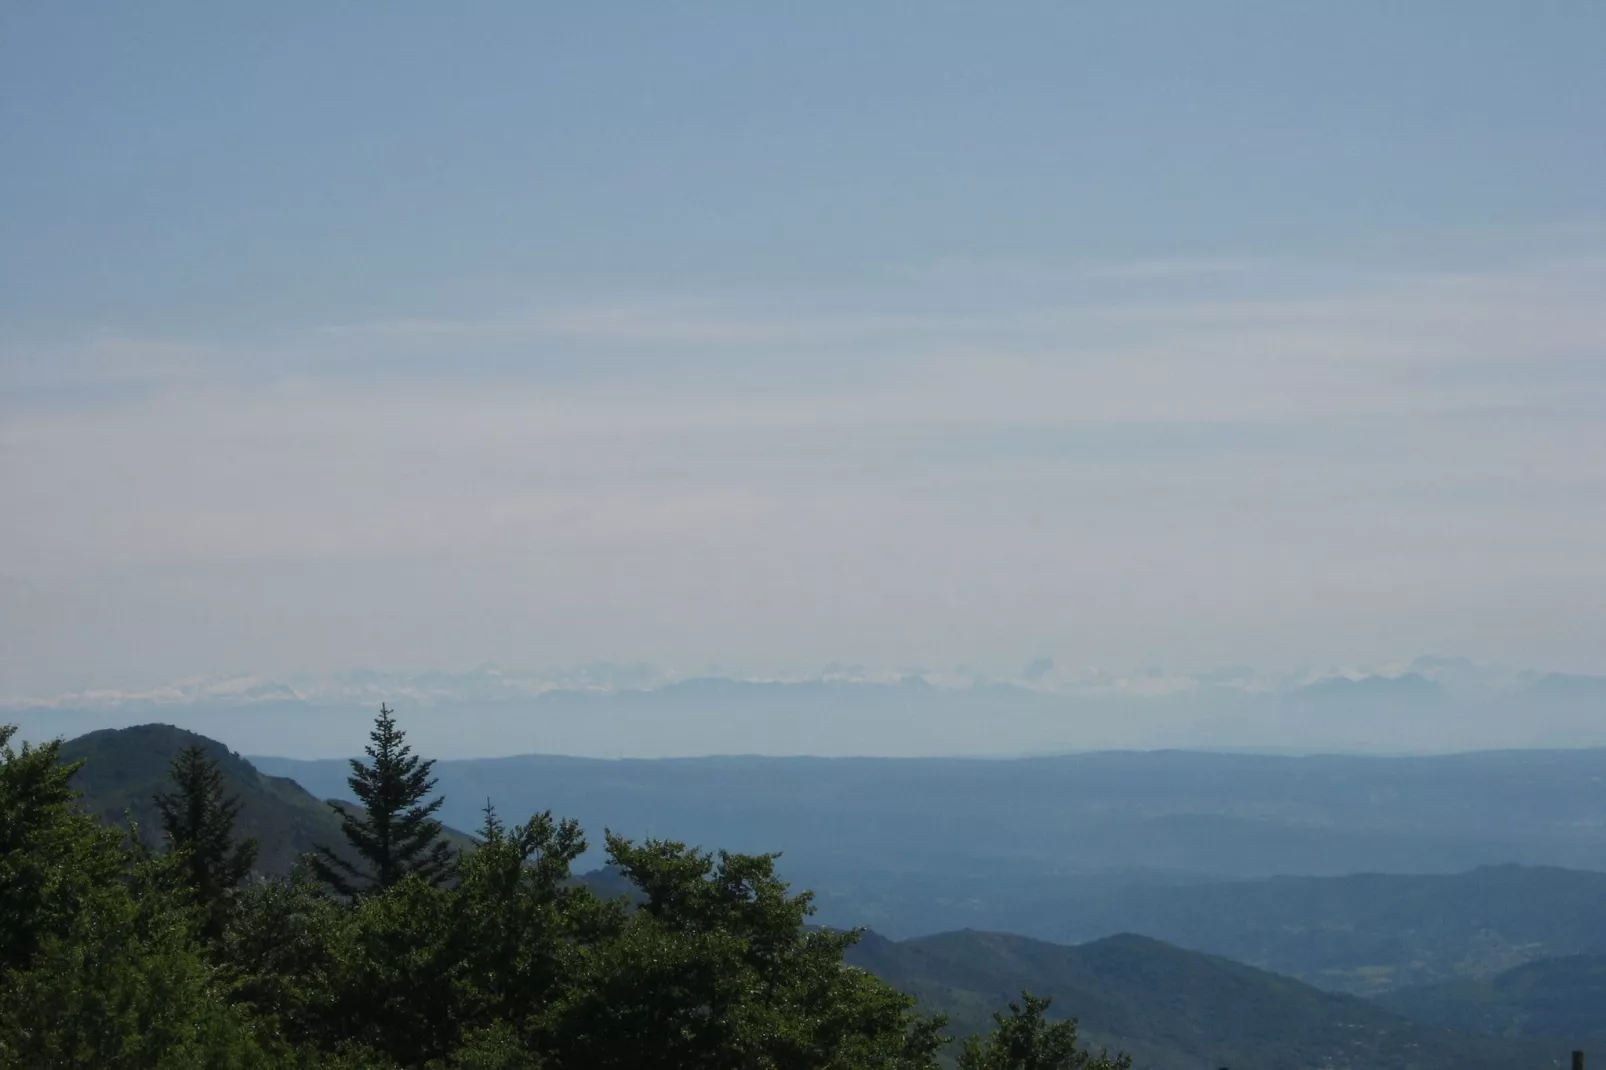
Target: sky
x=419 y=336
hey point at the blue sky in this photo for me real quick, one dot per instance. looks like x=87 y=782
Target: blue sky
x=421 y=335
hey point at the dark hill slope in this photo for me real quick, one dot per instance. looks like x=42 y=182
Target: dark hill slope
x=125 y=767
x=1175 y=1009
x=1562 y=998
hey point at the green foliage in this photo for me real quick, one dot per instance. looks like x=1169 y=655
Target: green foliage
x=125 y=986
x=53 y=858
x=1026 y=1040
x=515 y=965
x=518 y=920
x=198 y=818
x=396 y=836
x=101 y=966
x=716 y=969
x=495 y=1047
x=279 y=956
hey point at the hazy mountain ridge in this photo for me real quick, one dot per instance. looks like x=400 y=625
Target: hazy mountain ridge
x=1010 y=833
x=1424 y=677
x=1175 y=1009
x=1427 y=706
x=1353 y=874
x=1359 y=933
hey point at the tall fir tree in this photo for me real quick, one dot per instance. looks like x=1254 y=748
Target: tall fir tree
x=396 y=835
x=198 y=817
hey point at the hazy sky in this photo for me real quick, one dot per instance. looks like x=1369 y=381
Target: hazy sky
x=908 y=334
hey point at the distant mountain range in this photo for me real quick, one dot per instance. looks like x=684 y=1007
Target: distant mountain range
x=1429 y=705
x=912 y=846
x=1425 y=677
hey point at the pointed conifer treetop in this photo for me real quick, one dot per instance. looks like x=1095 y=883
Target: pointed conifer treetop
x=198 y=817
x=396 y=834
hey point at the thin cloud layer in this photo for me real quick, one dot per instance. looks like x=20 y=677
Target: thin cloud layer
x=1290 y=464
